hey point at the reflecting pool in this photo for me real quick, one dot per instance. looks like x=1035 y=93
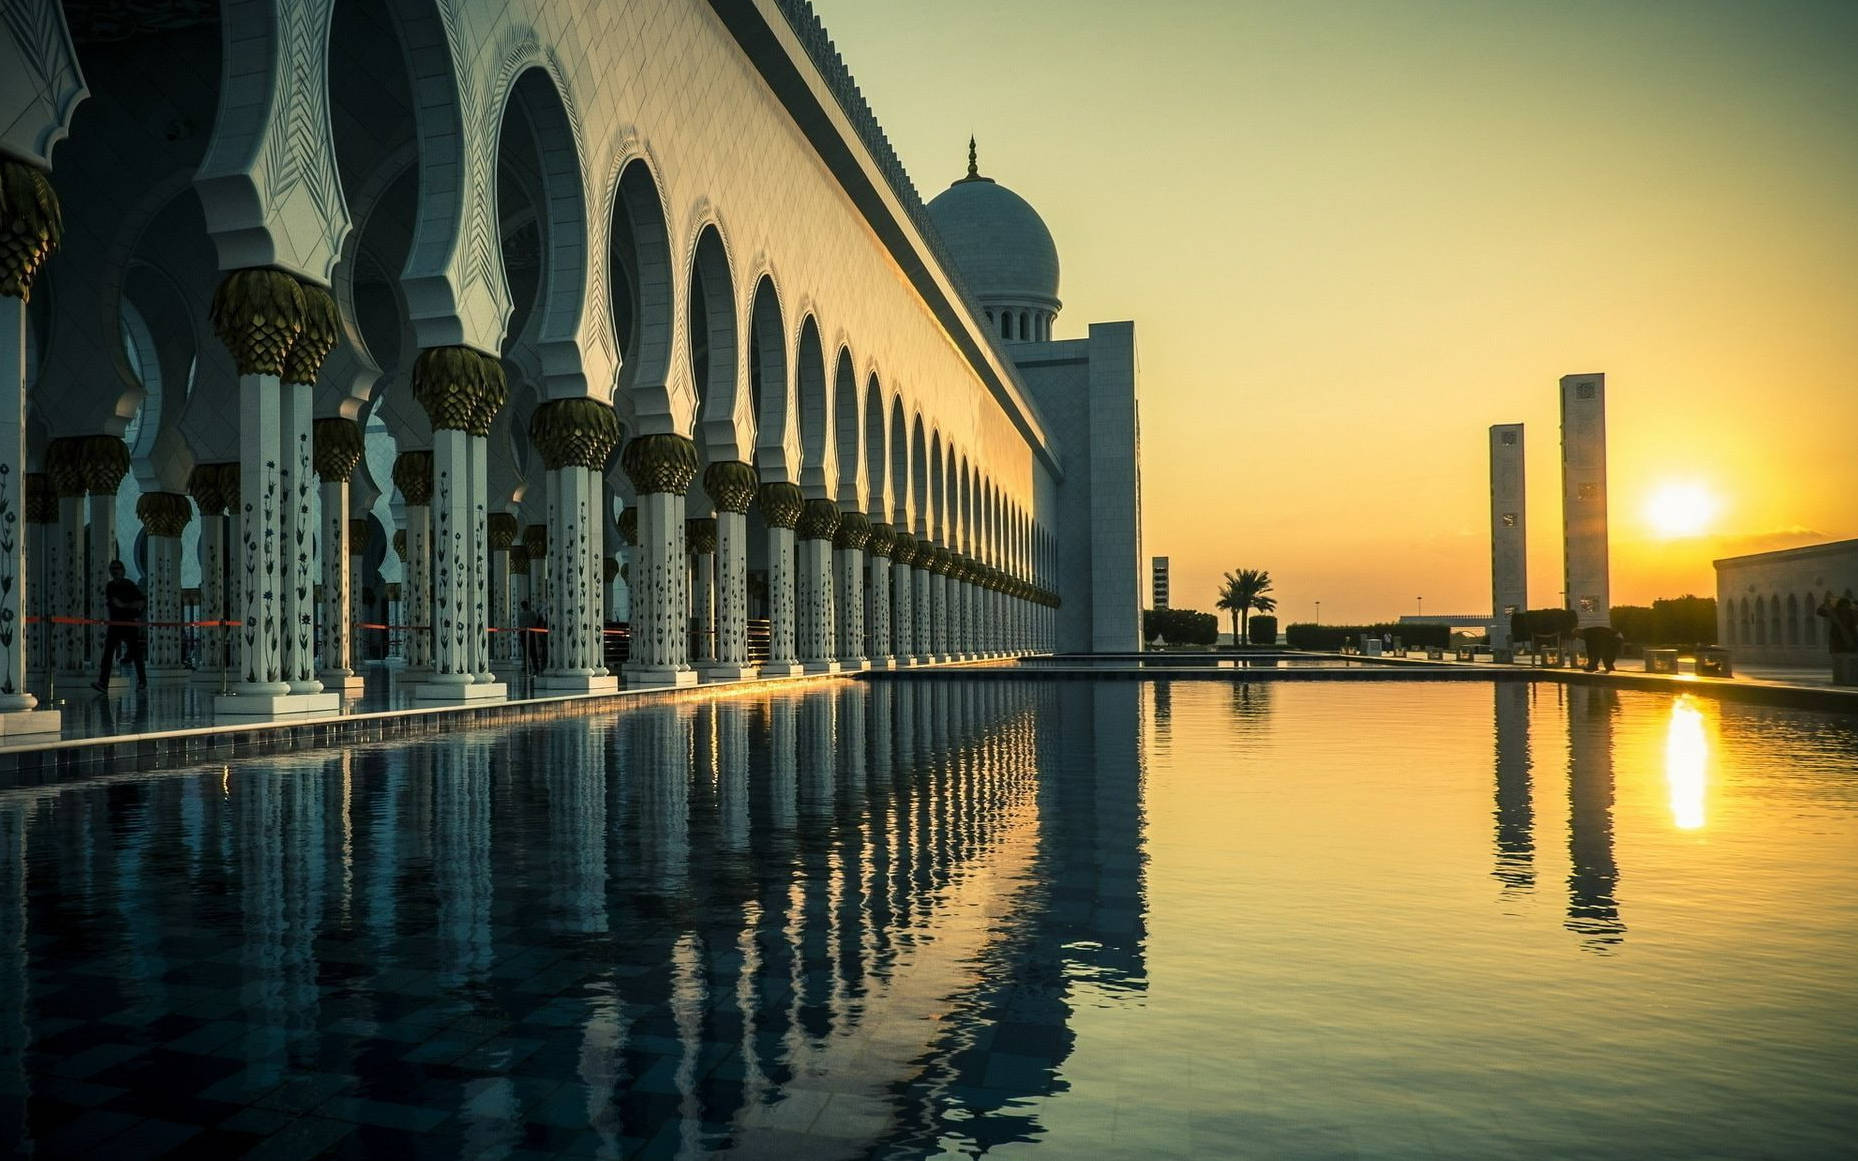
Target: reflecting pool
x=933 y=918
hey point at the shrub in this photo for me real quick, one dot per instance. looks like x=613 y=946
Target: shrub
x=1329 y=638
x=1179 y=626
x=1263 y=630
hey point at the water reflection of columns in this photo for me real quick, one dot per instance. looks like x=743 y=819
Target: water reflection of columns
x=661 y=736
x=1515 y=809
x=1593 y=876
x=576 y=784
x=15 y=1001
x=461 y=867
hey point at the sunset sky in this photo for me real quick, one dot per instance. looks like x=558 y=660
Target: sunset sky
x=1355 y=234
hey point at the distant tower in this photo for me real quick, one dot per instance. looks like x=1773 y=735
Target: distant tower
x=1159 y=582
x=1509 y=542
x=1583 y=498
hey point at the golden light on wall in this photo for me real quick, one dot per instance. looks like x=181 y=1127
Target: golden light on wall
x=1686 y=763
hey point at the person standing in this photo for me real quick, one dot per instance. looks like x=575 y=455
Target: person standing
x=127 y=608
x=1841 y=624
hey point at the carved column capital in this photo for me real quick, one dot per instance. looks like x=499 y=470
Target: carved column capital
x=882 y=540
x=203 y=483
x=819 y=519
x=164 y=513
x=700 y=535
x=413 y=476
x=574 y=433
x=360 y=532
x=780 y=504
x=322 y=326
x=903 y=548
x=104 y=460
x=609 y=568
x=535 y=541
x=64 y=464
x=400 y=543
x=258 y=314
x=41 y=499
x=629 y=526
x=661 y=463
x=853 y=531
x=502 y=529
x=461 y=388
x=338 y=448
x=731 y=485
x=31 y=226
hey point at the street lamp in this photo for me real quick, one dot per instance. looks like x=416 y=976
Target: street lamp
x=1422 y=605
x=1319 y=612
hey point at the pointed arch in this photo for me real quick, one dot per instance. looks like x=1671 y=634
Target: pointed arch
x=919 y=477
x=715 y=363
x=900 y=510
x=850 y=491
x=770 y=387
x=813 y=412
x=876 y=453
x=938 y=496
x=642 y=300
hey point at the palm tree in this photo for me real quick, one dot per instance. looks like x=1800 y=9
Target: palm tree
x=1242 y=594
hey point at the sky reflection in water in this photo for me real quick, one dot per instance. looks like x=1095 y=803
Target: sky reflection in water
x=915 y=919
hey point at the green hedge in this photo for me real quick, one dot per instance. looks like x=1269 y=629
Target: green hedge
x=1179 y=626
x=1262 y=630
x=1329 y=638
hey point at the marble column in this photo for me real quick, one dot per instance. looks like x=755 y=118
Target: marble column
x=32 y=230
x=848 y=544
x=460 y=390
x=661 y=468
x=41 y=541
x=731 y=486
x=516 y=640
x=877 y=597
x=919 y=600
x=297 y=534
x=505 y=646
x=902 y=599
x=412 y=474
x=165 y=516
x=337 y=452
x=490 y=401
x=541 y=594
x=66 y=567
x=209 y=486
x=813 y=620
x=700 y=537
x=260 y=315
x=105 y=461
x=938 y=604
x=961 y=645
x=575 y=437
x=360 y=640
x=781 y=505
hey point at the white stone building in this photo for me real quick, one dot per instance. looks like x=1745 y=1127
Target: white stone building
x=559 y=260
x=1766 y=601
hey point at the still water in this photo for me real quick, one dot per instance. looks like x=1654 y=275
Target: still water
x=929 y=918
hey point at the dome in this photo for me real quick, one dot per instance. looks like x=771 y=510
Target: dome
x=998 y=241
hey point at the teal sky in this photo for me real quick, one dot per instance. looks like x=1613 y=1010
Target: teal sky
x=1354 y=234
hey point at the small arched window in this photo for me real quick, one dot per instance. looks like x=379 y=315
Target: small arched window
x=1761 y=621
x=1793 y=619
x=1774 y=618
x=1024 y=331
x=1006 y=324
x=1809 y=622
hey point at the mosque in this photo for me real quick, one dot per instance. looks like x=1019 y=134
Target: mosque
x=363 y=331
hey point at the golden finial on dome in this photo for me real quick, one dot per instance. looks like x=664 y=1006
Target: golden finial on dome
x=974 y=167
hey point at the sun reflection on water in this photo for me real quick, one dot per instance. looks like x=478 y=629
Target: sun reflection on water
x=1686 y=758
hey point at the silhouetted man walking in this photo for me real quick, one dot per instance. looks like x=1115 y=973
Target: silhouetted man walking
x=126 y=604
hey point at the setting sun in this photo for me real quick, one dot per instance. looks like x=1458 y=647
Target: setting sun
x=1681 y=509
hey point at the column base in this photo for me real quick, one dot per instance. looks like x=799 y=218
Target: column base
x=454 y=694
x=347 y=685
x=727 y=671
x=883 y=663
x=854 y=664
x=567 y=683
x=782 y=669
x=276 y=705
x=30 y=723
x=660 y=676
x=819 y=667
